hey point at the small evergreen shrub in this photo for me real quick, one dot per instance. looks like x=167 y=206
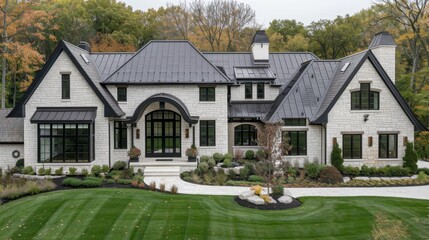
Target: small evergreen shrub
x=72 y=171
x=84 y=172
x=203 y=167
x=20 y=164
x=260 y=155
x=72 y=182
x=336 y=158
x=330 y=175
x=231 y=173
x=59 y=171
x=218 y=157
x=27 y=170
x=226 y=163
x=119 y=165
x=105 y=169
x=249 y=155
x=48 y=171
x=211 y=162
x=185 y=174
x=91 y=183
x=351 y=171
x=365 y=171
x=204 y=158
x=244 y=173
x=229 y=156
x=41 y=171
x=312 y=170
x=256 y=178
x=96 y=170
x=127 y=173
x=425 y=170
x=410 y=158
x=277 y=189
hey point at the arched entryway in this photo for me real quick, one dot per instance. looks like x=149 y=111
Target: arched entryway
x=163 y=134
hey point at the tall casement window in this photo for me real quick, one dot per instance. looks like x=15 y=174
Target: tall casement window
x=388 y=146
x=352 y=146
x=260 y=87
x=365 y=99
x=295 y=122
x=245 y=135
x=120 y=135
x=207 y=94
x=65 y=143
x=248 y=91
x=207 y=133
x=122 y=94
x=65 y=86
x=297 y=141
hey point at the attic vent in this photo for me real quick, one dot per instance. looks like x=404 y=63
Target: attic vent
x=84 y=58
x=345 y=67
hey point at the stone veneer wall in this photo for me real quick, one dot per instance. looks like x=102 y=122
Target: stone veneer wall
x=390 y=118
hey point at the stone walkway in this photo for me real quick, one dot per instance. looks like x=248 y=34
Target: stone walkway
x=418 y=192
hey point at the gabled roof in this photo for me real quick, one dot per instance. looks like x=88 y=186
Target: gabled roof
x=11 y=129
x=108 y=63
x=283 y=65
x=167 y=62
x=88 y=70
x=304 y=93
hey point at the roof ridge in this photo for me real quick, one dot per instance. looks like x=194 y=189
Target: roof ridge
x=354 y=54
x=95 y=53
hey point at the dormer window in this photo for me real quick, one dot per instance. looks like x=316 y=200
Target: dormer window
x=365 y=99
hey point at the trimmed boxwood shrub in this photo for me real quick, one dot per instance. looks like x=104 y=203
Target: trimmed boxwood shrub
x=59 y=171
x=204 y=158
x=249 y=155
x=330 y=175
x=119 y=165
x=211 y=162
x=96 y=170
x=256 y=178
x=365 y=171
x=351 y=171
x=244 y=172
x=72 y=182
x=72 y=171
x=229 y=156
x=226 y=163
x=48 y=171
x=27 y=170
x=203 y=167
x=218 y=157
x=88 y=182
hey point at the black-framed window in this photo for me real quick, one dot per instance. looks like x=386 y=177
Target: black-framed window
x=365 y=99
x=120 y=137
x=122 y=94
x=207 y=94
x=248 y=91
x=260 y=87
x=297 y=142
x=388 y=145
x=65 y=86
x=294 y=122
x=207 y=133
x=65 y=143
x=163 y=134
x=352 y=146
x=245 y=135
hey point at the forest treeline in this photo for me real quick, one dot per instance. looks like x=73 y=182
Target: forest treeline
x=31 y=29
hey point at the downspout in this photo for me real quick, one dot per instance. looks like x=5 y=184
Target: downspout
x=110 y=157
x=326 y=136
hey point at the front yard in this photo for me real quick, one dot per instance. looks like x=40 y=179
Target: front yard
x=132 y=214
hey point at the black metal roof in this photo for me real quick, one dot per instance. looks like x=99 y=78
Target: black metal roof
x=108 y=63
x=253 y=73
x=283 y=65
x=11 y=129
x=64 y=115
x=247 y=109
x=167 y=62
x=260 y=37
x=382 y=39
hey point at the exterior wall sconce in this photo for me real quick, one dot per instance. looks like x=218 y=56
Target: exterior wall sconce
x=369 y=141
x=137 y=133
x=365 y=117
x=187 y=133
x=405 y=141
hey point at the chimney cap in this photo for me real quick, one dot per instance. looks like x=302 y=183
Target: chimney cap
x=260 y=37
x=382 y=39
x=85 y=46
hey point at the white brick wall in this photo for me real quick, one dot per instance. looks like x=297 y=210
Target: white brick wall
x=386 y=55
x=6 y=158
x=390 y=117
x=237 y=93
x=48 y=94
x=189 y=95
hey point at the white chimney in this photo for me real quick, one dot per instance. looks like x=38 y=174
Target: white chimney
x=384 y=48
x=260 y=48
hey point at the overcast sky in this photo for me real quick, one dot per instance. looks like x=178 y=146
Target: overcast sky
x=304 y=11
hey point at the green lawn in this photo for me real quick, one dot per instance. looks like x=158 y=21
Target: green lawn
x=132 y=214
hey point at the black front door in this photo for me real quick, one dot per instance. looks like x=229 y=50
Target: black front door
x=163 y=139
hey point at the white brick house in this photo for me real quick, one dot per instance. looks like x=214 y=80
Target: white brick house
x=87 y=109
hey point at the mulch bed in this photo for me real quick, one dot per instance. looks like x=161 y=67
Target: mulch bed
x=269 y=206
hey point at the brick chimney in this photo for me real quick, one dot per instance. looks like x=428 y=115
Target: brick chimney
x=384 y=48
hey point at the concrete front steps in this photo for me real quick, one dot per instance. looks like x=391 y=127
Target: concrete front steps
x=162 y=171
x=163 y=168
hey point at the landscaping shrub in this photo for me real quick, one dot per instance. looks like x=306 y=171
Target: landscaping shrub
x=127 y=173
x=312 y=170
x=59 y=171
x=373 y=171
x=174 y=189
x=124 y=181
x=41 y=171
x=425 y=170
x=351 y=171
x=229 y=156
x=238 y=155
x=249 y=155
x=91 y=183
x=398 y=171
x=32 y=187
x=277 y=189
x=251 y=168
x=336 y=158
x=72 y=182
x=72 y=171
x=187 y=179
x=218 y=157
x=211 y=162
x=162 y=187
x=105 y=169
x=365 y=171
x=47 y=186
x=226 y=163
x=195 y=178
x=231 y=173
x=11 y=192
x=260 y=155
x=422 y=177
x=96 y=170
x=152 y=186
x=84 y=172
x=119 y=165
x=1 y=172
x=410 y=158
x=203 y=167
x=204 y=158
x=208 y=178
x=20 y=164
x=256 y=178
x=331 y=175
x=48 y=171
x=244 y=172
x=27 y=170
x=221 y=178
x=185 y=174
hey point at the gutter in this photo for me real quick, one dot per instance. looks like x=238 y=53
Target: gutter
x=110 y=146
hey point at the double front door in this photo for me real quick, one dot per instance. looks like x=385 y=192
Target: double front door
x=163 y=134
